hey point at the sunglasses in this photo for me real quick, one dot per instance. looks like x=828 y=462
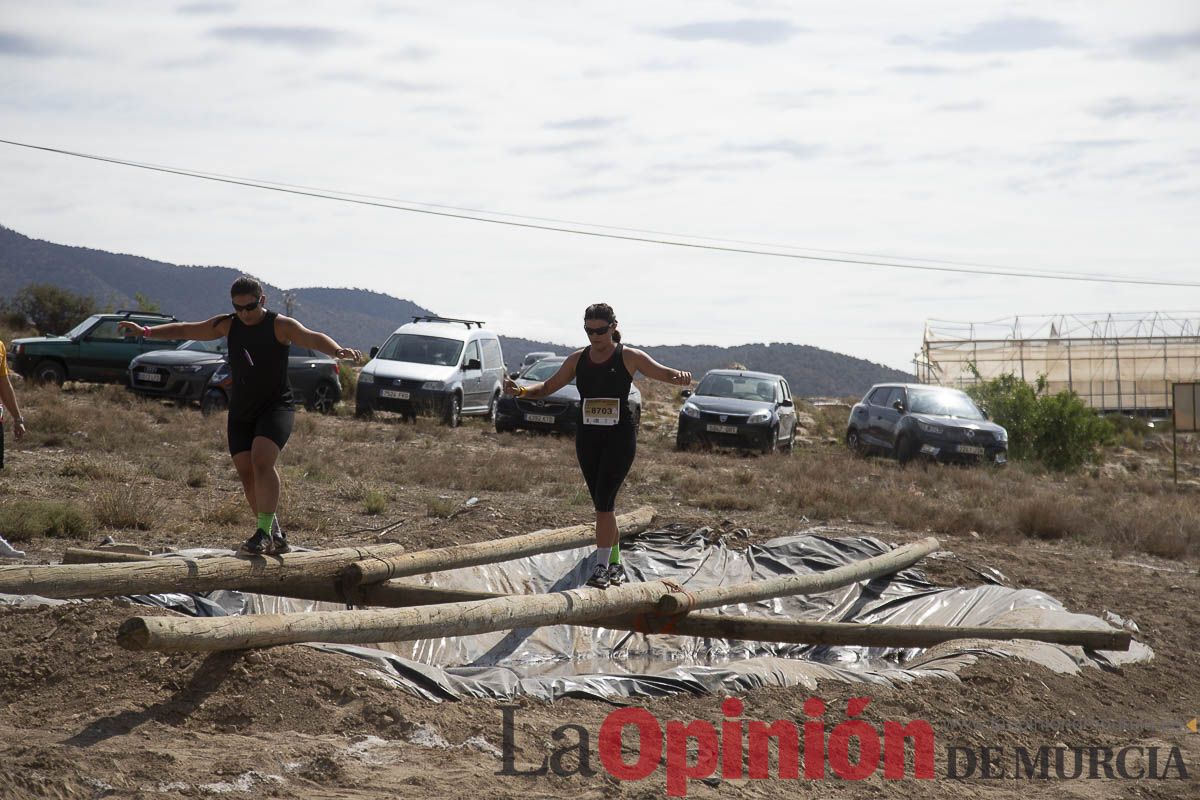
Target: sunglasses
x=596 y=331
x=248 y=306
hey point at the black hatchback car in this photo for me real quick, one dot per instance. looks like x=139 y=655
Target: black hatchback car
x=911 y=420
x=558 y=412
x=737 y=408
x=197 y=371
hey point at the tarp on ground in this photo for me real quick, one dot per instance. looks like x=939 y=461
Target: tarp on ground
x=564 y=660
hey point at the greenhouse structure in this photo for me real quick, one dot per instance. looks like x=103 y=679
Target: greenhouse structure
x=1115 y=362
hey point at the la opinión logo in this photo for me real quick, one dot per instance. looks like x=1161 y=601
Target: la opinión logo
x=695 y=750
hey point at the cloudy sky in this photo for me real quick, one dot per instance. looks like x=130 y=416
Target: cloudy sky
x=1033 y=135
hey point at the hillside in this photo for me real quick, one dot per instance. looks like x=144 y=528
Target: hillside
x=362 y=318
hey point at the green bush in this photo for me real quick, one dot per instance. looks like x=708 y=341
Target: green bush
x=51 y=309
x=1058 y=430
x=22 y=520
x=348 y=378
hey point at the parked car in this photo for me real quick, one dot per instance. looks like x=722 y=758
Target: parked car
x=911 y=420
x=532 y=358
x=94 y=350
x=557 y=412
x=738 y=408
x=434 y=365
x=312 y=376
x=198 y=371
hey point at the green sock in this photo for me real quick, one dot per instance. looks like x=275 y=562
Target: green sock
x=614 y=557
x=266 y=521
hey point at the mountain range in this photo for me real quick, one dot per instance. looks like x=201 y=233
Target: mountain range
x=361 y=318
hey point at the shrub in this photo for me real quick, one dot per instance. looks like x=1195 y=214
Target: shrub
x=1058 y=430
x=22 y=520
x=374 y=502
x=51 y=309
x=441 y=507
x=128 y=507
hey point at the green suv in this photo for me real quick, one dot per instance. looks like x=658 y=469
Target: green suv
x=94 y=350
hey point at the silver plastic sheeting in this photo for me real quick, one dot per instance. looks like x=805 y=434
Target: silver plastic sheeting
x=563 y=660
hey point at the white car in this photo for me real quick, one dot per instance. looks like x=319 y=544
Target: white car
x=434 y=365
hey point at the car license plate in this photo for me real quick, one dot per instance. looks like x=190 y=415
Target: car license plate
x=722 y=428
x=545 y=419
x=393 y=394
x=970 y=449
x=149 y=377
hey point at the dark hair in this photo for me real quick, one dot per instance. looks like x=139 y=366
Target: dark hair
x=602 y=311
x=245 y=285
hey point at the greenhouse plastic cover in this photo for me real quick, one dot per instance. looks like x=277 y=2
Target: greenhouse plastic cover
x=563 y=660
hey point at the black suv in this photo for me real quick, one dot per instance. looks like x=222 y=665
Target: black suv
x=736 y=408
x=558 y=412
x=94 y=350
x=911 y=420
x=198 y=371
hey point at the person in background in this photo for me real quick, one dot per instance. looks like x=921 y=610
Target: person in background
x=8 y=407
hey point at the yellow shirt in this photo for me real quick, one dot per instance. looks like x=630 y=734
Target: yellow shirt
x=3 y=360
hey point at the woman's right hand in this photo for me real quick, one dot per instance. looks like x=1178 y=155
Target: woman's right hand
x=510 y=386
x=133 y=327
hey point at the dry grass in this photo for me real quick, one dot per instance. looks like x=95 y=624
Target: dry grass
x=140 y=465
x=22 y=520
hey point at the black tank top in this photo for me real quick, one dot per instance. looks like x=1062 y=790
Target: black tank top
x=608 y=379
x=259 y=366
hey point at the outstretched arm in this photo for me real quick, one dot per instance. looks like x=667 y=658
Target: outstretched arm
x=652 y=369
x=205 y=331
x=549 y=386
x=9 y=398
x=289 y=331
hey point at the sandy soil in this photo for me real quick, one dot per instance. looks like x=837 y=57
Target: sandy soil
x=81 y=718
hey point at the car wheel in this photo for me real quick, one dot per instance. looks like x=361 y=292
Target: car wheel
x=772 y=442
x=682 y=442
x=214 y=400
x=855 y=443
x=363 y=410
x=452 y=415
x=790 y=444
x=324 y=398
x=493 y=404
x=49 y=372
x=906 y=448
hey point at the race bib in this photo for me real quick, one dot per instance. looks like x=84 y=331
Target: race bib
x=601 y=411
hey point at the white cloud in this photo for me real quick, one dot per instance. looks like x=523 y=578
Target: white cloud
x=1032 y=138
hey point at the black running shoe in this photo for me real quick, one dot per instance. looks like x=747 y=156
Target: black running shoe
x=599 y=578
x=279 y=544
x=257 y=544
x=616 y=575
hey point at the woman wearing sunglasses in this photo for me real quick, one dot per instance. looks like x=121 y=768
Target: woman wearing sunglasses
x=605 y=439
x=260 y=408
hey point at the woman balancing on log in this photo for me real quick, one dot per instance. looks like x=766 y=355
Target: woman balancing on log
x=260 y=408
x=605 y=438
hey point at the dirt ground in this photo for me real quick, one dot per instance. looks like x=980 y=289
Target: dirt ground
x=82 y=718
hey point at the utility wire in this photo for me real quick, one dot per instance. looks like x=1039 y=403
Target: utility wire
x=930 y=266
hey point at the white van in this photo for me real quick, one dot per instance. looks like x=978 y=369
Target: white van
x=434 y=365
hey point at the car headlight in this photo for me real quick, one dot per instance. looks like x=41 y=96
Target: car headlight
x=190 y=368
x=1002 y=435
x=433 y=386
x=759 y=417
x=365 y=377
x=220 y=375
x=925 y=426
x=691 y=410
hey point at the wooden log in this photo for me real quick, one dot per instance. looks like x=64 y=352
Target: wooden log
x=376 y=570
x=759 y=629
x=83 y=555
x=255 y=573
x=206 y=634
x=789 y=585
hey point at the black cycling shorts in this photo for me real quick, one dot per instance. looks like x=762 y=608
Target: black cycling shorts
x=605 y=456
x=274 y=423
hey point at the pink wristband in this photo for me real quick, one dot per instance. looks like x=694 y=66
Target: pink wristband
x=145 y=330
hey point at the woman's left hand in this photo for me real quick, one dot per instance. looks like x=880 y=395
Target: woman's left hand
x=348 y=354
x=681 y=377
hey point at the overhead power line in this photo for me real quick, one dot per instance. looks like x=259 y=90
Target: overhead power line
x=610 y=232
